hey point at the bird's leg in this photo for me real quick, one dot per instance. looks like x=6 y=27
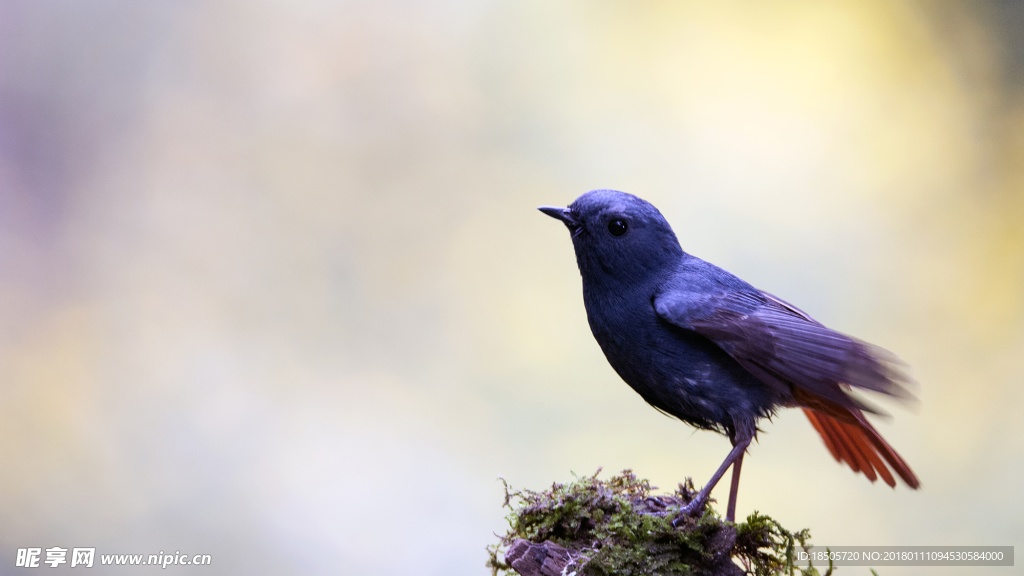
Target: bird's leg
x=730 y=514
x=697 y=504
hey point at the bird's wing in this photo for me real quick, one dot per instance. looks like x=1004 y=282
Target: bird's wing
x=783 y=346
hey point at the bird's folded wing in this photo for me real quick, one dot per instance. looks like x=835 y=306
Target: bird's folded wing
x=785 y=347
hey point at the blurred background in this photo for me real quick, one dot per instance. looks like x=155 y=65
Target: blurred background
x=273 y=286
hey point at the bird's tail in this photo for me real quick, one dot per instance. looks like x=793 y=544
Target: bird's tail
x=852 y=439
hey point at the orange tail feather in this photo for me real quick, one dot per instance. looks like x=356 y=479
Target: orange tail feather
x=850 y=438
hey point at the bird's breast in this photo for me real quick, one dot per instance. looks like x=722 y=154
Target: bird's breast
x=675 y=370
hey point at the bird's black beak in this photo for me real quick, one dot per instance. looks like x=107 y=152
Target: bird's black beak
x=561 y=214
x=565 y=216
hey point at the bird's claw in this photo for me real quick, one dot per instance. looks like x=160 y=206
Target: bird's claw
x=694 y=508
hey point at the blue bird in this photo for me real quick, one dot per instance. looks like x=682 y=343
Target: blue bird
x=699 y=344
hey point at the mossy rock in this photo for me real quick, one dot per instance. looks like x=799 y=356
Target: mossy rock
x=617 y=527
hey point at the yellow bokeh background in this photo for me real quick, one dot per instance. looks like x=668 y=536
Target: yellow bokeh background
x=273 y=286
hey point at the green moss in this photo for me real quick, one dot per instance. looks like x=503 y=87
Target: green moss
x=618 y=527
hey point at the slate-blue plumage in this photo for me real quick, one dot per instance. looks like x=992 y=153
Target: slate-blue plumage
x=700 y=344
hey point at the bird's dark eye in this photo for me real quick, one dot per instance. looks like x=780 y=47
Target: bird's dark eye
x=617 y=227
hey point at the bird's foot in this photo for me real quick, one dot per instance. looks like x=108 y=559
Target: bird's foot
x=694 y=508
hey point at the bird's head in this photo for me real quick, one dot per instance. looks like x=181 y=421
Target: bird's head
x=618 y=236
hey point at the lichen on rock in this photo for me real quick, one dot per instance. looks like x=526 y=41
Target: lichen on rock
x=617 y=527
